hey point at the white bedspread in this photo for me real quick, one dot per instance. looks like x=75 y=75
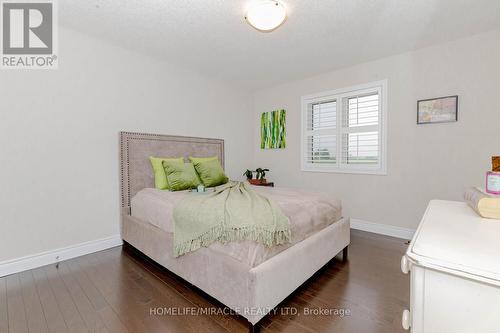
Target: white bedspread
x=308 y=212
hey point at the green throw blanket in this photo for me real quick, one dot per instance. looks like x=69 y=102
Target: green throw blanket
x=234 y=212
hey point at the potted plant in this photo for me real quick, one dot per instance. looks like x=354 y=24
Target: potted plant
x=248 y=174
x=263 y=174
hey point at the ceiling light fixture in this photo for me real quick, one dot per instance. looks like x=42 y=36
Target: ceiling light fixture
x=266 y=15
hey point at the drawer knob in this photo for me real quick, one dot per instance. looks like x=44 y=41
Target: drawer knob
x=405 y=320
x=405 y=265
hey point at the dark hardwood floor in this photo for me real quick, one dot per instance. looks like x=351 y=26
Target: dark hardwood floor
x=119 y=291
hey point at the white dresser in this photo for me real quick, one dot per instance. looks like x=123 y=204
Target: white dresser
x=454 y=262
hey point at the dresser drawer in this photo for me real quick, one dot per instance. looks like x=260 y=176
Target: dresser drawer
x=442 y=302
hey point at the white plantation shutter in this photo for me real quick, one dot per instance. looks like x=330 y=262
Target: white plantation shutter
x=360 y=128
x=343 y=131
x=321 y=133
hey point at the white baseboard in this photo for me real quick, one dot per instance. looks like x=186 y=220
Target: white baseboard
x=58 y=255
x=383 y=229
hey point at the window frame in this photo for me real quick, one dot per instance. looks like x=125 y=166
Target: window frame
x=340 y=95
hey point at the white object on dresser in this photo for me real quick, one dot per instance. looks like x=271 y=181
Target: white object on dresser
x=454 y=262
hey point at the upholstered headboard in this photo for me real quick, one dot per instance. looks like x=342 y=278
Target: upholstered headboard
x=136 y=148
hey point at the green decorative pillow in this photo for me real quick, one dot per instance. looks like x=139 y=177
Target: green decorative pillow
x=161 y=181
x=210 y=171
x=180 y=175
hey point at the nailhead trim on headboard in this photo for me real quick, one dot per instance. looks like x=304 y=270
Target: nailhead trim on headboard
x=126 y=137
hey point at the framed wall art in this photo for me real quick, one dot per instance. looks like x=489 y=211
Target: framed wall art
x=437 y=110
x=273 y=130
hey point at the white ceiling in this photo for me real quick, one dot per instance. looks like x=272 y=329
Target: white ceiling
x=211 y=36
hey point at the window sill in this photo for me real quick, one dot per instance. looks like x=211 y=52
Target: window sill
x=376 y=172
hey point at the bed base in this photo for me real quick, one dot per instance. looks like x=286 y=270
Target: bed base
x=132 y=251
x=252 y=292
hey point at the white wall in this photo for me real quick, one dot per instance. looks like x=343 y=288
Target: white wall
x=424 y=161
x=59 y=137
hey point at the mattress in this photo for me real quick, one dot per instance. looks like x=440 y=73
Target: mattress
x=309 y=212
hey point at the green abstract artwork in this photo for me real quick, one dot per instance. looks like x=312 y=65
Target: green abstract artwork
x=273 y=130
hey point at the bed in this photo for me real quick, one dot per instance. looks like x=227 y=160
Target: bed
x=245 y=276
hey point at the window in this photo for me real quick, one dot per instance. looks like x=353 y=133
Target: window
x=344 y=130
